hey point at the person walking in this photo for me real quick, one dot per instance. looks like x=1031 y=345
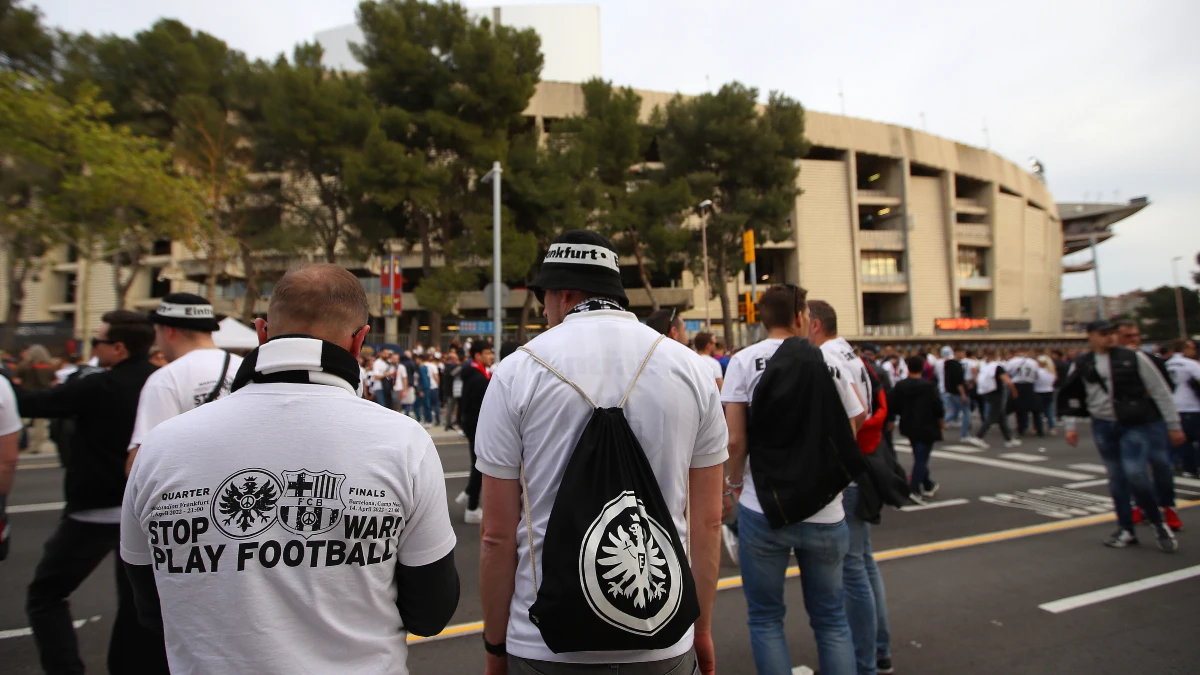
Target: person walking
x=10 y=440
x=955 y=400
x=1129 y=403
x=452 y=388
x=1024 y=373
x=104 y=406
x=706 y=347
x=993 y=382
x=765 y=385
x=866 y=605
x=1047 y=376
x=197 y=373
x=36 y=372
x=1185 y=376
x=381 y=378
x=922 y=421
x=475 y=377
x=292 y=526
x=601 y=444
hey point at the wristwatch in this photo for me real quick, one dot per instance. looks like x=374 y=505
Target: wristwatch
x=494 y=650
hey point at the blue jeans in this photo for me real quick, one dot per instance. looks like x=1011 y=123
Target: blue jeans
x=1188 y=454
x=920 y=477
x=1162 y=469
x=433 y=406
x=957 y=410
x=1126 y=453
x=421 y=407
x=866 y=601
x=763 y=554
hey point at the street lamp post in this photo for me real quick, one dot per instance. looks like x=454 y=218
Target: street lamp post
x=1178 y=297
x=702 y=206
x=498 y=311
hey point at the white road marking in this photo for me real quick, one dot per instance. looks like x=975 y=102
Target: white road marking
x=22 y=632
x=1187 y=492
x=935 y=505
x=1088 y=483
x=1094 y=468
x=1187 y=482
x=1023 y=457
x=802 y=670
x=968 y=449
x=1014 y=466
x=1053 y=502
x=1120 y=590
x=34 y=508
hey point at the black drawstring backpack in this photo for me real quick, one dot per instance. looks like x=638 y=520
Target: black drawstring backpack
x=615 y=575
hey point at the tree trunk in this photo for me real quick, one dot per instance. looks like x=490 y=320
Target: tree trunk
x=724 y=291
x=18 y=269
x=210 y=280
x=641 y=265
x=250 y=301
x=435 y=318
x=122 y=287
x=526 y=311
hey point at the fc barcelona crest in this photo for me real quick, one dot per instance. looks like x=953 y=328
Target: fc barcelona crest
x=311 y=502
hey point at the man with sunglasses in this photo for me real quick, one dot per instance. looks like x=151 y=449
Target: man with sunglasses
x=198 y=371
x=104 y=406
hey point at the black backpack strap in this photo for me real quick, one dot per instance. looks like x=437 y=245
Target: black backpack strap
x=216 y=392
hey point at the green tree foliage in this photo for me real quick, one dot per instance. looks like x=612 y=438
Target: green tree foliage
x=745 y=160
x=1159 y=317
x=450 y=92
x=25 y=45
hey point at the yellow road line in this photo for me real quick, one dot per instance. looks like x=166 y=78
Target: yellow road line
x=476 y=627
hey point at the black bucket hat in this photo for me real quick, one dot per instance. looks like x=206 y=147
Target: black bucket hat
x=187 y=311
x=581 y=260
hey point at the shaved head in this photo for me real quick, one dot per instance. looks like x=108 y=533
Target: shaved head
x=322 y=300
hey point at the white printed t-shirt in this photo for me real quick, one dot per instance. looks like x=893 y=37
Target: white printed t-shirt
x=1183 y=370
x=1022 y=370
x=674 y=411
x=745 y=370
x=274 y=520
x=10 y=417
x=180 y=386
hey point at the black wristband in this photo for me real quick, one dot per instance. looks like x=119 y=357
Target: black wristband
x=494 y=650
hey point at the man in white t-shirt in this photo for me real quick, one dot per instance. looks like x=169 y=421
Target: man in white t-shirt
x=10 y=438
x=293 y=526
x=1024 y=371
x=1185 y=377
x=866 y=602
x=529 y=426
x=820 y=542
x=197 y=373
x=706 y=347
x=381 y=370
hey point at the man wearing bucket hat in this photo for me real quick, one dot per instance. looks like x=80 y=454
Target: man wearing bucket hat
x=198 y=371
x=598 y=428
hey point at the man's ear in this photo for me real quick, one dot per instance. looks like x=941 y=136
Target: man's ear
x=356 y=342
x=260 y=327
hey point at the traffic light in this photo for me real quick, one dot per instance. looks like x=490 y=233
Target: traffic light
x=751 y=310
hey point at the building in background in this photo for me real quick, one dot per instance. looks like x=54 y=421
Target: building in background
x=1077 y=312
x=1085 y=221
x=910 y=236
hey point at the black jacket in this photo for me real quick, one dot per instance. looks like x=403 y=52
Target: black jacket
x=474 y=387
x=919 y=406
x=1132 y=404
x=104 y=406
x=885 y=481
x=802 y=449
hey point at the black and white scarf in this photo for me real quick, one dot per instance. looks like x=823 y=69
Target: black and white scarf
x=301 y=359
x=595 y=305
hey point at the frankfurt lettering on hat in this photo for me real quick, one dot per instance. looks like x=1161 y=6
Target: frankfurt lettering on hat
x=583 y=254
x=187 y=311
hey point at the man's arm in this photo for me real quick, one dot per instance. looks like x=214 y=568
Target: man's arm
x=1158 y=389
x=427 y=595
x=501 y=503
x=735 y=419
x=64 y=400
x=1008 y=382
x=705 y=552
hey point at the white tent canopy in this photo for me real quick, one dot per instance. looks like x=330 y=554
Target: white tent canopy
x=235 y=335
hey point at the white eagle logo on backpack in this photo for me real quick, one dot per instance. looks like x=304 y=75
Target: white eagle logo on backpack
x=628 y=568
x=636 y=559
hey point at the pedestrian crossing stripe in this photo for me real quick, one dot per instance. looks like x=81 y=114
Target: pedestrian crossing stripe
x=1094 y=468
x=965 y=449
x=1023 y=457
x=1053 y=502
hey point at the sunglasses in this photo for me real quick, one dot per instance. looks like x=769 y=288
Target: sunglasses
x=97 y=342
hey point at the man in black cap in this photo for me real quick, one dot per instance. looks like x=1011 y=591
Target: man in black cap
x=103 y=406
x=537 y=414
x=198 y=371
x=1129 y=402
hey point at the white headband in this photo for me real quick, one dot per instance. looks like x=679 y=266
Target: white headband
x=583 y=254
x=175 y=311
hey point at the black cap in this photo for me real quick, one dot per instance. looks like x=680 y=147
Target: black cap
x=187 y=311
x=1099 y=326
x=581 y=260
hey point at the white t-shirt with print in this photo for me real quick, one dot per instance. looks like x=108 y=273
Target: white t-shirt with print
x=379 y=370
x=745 y=370
x=1022 y=370
x=989 y=376
x=274 y=520
x=850 y=368
x=180 y=386
x=1183 y=370
x=674 y=411
x=10 y=417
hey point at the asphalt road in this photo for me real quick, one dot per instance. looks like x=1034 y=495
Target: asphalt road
x=1010 y=530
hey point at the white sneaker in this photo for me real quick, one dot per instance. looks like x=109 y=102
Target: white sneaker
x=461 y=498
x=977 y=442
x=473 y=516
x=1014 y=443
x=731 y=542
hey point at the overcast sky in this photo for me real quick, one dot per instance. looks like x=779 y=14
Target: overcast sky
x=1104 y=93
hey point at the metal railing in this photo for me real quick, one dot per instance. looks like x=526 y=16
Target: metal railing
x=888 y=330
x=885 y=279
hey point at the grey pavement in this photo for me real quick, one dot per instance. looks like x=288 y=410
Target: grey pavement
x=970 y=606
